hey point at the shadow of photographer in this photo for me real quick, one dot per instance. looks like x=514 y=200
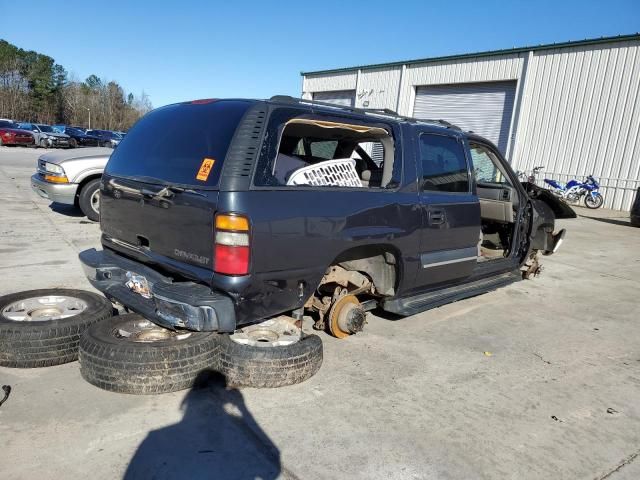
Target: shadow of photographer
x=217 y=438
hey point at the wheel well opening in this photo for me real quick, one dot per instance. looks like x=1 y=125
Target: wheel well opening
x=380 y=263
x=82 y=184
x=353 y=284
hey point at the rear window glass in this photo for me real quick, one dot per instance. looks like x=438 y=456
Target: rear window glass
x=177 y=143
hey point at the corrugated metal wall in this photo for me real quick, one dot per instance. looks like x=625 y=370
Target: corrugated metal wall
x=345 y=98
x=488 y=69
x=321 y=83
x=577 y=107
x=378 y=88
x=580 y=115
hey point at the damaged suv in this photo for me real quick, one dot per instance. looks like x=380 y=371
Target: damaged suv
x=252 y=209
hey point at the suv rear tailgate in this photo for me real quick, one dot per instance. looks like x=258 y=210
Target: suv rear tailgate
x=178 y=225
x=160 y=187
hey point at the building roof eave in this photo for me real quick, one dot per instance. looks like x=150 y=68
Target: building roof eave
x=488 y=53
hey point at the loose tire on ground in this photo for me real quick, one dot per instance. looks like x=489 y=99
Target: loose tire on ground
x=128 y=354
x=89 y=200
x=269 y=367
x=31 y=335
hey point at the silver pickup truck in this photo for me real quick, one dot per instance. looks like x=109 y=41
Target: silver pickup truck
x=72 y=178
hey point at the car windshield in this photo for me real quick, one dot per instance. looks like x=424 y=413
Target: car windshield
x=74 y=131
x=46 y=128
x=8 y=124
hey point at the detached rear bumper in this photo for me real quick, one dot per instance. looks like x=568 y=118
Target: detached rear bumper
x=171 y=304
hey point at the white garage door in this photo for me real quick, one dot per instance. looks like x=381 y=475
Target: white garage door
x=339 y=97
x=484 y=108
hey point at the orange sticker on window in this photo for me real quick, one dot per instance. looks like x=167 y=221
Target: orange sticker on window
x=205 y=169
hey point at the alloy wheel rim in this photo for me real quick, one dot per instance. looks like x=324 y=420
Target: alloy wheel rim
x=276 y=332
x=44 y=308
x=593 y=201
x=95 y=201
x=143 y=331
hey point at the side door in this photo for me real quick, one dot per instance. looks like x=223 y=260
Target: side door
x=450 y=210
x=498 y=196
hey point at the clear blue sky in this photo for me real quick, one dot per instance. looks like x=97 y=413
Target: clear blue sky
x=179 y=50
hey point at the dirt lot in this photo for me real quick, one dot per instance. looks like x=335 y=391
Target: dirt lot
x=540 y=379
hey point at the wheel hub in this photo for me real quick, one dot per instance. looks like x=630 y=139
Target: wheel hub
x=346 y=317
x=39 y=309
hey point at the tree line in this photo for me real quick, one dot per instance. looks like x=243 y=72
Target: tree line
x=34 y=88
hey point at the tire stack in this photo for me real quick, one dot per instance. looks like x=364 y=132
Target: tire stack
x=129 y=354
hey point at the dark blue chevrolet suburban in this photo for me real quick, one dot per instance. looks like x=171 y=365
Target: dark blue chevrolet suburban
x=242 y=210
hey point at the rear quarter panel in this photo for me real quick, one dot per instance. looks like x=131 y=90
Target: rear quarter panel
x=297 y=234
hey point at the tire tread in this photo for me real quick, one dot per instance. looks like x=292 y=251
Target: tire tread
x=48 y=343
x=144 y=369
x=262 y=367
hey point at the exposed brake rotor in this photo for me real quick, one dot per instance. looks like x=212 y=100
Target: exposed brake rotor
x=346 y=317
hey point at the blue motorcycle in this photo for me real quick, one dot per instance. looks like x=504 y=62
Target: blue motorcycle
x=574 y=190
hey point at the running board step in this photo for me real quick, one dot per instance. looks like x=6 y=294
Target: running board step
x=424 y=301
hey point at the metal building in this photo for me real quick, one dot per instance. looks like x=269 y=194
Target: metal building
x=573 y=107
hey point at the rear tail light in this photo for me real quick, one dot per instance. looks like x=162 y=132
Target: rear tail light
x=231 y=250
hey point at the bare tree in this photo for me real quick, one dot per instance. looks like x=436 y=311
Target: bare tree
x=34 y=88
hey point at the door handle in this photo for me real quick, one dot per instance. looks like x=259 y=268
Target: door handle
x=436 y=217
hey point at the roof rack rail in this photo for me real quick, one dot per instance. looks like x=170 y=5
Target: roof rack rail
x=290 y=99
x=441 y=122
x=380 y=111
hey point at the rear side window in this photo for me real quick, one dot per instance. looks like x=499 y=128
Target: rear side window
x=302 y=150
x=184 y=143
x=444 y=166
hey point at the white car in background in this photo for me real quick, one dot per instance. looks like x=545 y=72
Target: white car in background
x=45 y=136
x=72 y=178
